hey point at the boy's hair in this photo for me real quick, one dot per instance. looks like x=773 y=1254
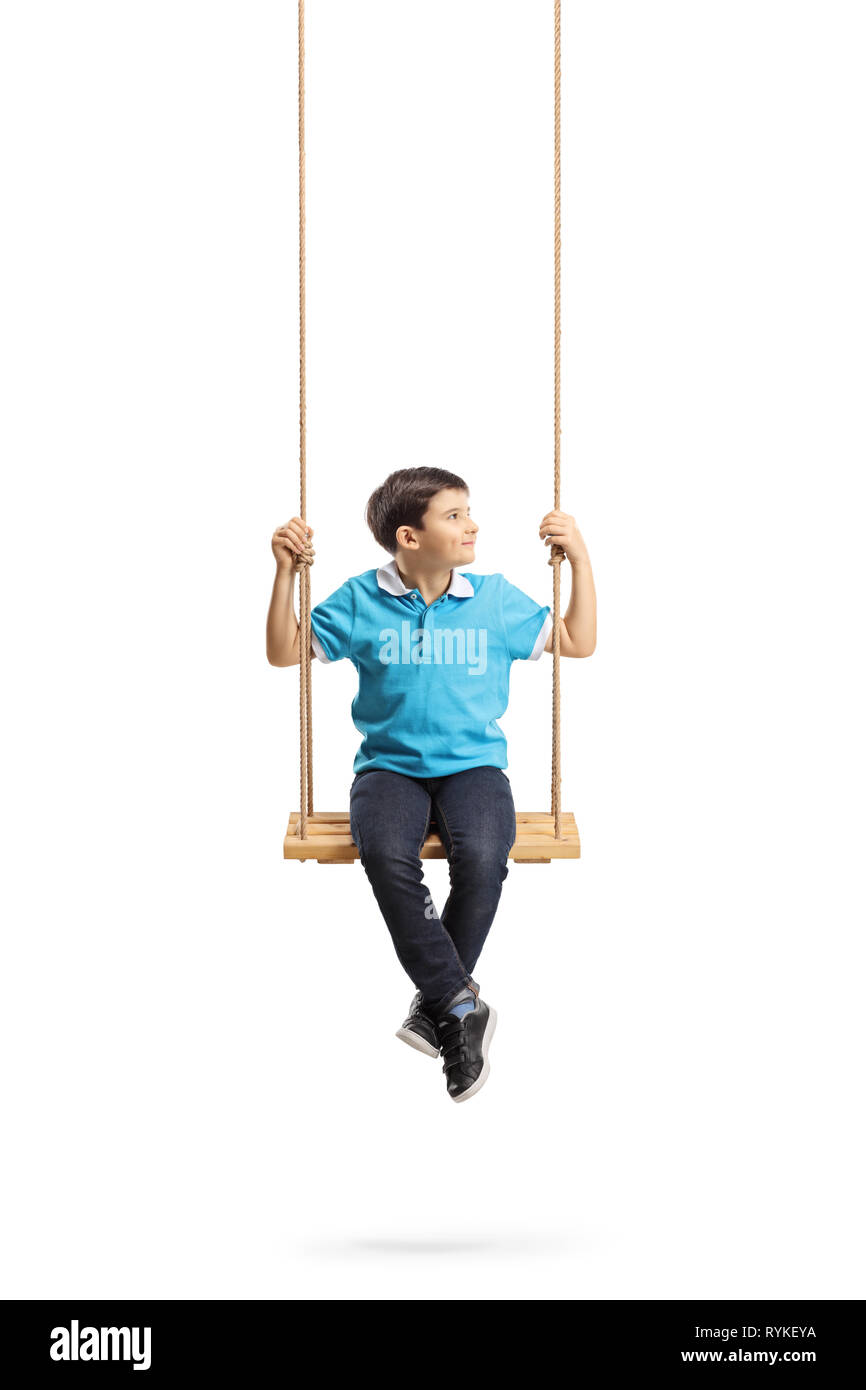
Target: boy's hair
x=403 y=499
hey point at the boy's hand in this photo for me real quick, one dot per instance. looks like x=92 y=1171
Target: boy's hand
x=289 y=541
x=558 y=528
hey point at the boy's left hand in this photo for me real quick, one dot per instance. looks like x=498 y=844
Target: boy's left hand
x=558 y=528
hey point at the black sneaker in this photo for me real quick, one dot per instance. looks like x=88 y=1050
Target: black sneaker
x=419 y=1030
x=464 y=1042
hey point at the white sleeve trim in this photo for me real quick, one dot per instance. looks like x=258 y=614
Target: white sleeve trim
x=541 y=639
x=317 y=647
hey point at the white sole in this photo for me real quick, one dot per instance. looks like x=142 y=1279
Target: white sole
x=420 y=1045
x=485 y=1068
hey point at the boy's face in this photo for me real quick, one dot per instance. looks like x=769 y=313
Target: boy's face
x=449 y=532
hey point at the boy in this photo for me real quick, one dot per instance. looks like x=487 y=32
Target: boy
x=433 y=649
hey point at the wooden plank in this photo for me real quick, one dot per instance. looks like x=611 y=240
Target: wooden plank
x=542 y=818
x=341 y=818
x=329 y=840
x=535 y=836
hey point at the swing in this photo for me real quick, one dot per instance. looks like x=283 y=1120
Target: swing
x=325 y=836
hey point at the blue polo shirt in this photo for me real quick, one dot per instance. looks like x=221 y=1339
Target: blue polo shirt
x=432 y=681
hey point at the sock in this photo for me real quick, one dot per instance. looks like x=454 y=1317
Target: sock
x=459 y=1010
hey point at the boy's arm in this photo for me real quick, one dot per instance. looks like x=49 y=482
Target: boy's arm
x=577 y=626
x=283 y=631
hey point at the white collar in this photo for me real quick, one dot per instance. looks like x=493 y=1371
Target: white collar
x=389 y=579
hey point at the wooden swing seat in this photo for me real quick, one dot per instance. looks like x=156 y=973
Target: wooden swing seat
x=329 y=840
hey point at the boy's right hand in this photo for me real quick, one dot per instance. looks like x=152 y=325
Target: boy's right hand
x=289 y=541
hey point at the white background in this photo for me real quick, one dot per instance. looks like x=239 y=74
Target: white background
x=202 y=1093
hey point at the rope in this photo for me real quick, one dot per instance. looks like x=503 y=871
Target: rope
x=304 y=561
x=557 y=554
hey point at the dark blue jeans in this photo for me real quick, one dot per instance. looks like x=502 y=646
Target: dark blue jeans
x=389 y=816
